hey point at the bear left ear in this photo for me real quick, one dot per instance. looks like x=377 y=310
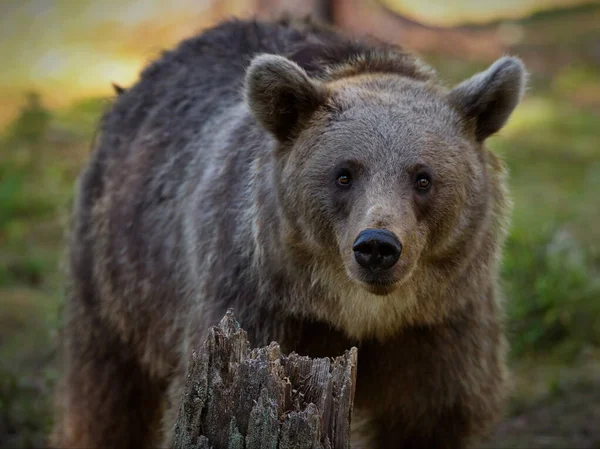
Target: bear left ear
x=280 y=94
x=490 y=97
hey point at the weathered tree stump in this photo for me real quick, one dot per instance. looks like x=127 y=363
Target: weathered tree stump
x=241 y=398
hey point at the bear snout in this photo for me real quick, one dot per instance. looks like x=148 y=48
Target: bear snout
x=377 y=249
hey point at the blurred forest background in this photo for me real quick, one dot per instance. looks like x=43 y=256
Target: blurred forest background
x=60 y=57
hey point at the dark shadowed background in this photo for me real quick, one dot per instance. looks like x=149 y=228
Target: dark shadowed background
x=59 y=58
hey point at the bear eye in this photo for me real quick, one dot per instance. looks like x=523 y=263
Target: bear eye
x=423 y=182
x=344 y=179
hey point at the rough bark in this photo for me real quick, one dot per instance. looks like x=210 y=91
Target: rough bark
x=241 y=398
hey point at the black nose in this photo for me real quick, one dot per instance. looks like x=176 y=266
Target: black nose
x=377 y=249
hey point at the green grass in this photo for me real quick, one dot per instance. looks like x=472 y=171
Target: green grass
x=33 y=210
x=552 y=258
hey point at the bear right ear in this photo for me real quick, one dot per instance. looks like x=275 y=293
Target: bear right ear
x=280 y=94
x=490 y=97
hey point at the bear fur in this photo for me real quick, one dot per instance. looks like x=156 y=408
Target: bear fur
x=214 y=183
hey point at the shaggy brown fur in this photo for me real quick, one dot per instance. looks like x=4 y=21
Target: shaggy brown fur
x=214 y=185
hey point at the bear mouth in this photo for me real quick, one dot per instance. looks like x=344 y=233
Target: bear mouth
x=378 y=284
x=381 y=282
x=379 y=289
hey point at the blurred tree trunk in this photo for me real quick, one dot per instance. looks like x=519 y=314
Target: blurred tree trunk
x=321 y=10
x=30 y=130
x=240 y=398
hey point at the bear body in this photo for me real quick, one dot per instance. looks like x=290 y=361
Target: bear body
x=279 y=169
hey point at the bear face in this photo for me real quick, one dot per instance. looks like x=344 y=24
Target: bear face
x=389 y=155
x=382 y=175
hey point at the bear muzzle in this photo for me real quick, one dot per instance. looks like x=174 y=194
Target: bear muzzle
x=377 y=250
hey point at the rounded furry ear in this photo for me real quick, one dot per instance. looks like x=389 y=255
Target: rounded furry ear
x=280 y=94
x=489 y=97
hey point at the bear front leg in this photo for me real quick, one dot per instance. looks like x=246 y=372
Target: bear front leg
x=106 y=400
x=448 y=430
x=429 y=388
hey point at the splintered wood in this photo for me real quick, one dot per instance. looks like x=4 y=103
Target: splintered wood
x=241 y=398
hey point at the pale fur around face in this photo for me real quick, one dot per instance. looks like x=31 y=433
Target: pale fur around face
x=390 y=124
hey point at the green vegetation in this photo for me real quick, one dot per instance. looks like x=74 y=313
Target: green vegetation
x=38 y=166
x=552 y=256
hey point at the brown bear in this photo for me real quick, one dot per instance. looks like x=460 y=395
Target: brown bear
x=328 y=189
